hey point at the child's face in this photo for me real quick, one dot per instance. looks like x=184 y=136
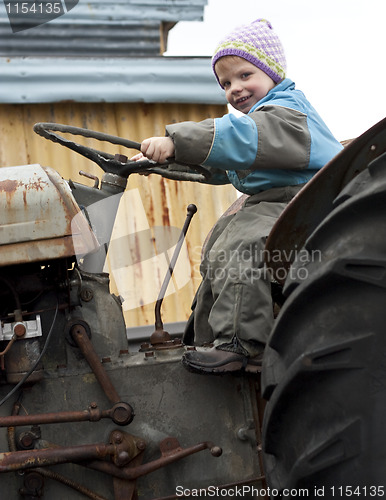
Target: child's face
x=244 y=83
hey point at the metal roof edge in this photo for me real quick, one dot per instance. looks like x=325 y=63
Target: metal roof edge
x=119 y=79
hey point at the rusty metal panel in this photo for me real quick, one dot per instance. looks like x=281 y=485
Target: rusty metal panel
x=148 y=203
x=170 y=403
x=40 y=219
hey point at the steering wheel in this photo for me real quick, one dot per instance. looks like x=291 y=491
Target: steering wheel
x=119 y=164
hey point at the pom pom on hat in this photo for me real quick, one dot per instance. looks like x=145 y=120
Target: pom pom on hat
x=257 y=43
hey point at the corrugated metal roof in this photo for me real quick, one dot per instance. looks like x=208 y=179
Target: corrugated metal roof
x=114 y=38
x=161 y=10
x=98 y=28
x=103 y=51
x=146 y=79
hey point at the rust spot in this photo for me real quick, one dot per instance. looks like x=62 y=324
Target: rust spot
x=151 y=212
x=165 y=209
x=9 y=186
x=37 y=185
x=145 y=109
x=68 y=245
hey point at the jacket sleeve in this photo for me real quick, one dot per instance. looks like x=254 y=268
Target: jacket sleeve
x=270 y=137
x=192 y=142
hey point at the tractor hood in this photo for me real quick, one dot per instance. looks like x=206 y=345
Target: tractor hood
x=40 y=219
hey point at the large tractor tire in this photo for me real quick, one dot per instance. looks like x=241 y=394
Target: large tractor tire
x=324 y=372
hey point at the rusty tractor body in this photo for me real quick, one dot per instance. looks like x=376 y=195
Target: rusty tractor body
x=85 y=414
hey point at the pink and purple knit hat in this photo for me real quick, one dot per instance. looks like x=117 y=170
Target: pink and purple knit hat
x=258 y=44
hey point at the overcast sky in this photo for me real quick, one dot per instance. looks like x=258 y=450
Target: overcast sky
x=335 y=51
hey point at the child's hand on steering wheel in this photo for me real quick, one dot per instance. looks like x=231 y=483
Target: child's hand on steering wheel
x=158 y=149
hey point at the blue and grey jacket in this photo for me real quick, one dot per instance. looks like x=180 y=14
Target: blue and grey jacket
x=282 y=141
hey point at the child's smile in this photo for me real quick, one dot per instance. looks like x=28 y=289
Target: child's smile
x=244 y=83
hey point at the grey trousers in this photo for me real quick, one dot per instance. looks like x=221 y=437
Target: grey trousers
x=234 y=297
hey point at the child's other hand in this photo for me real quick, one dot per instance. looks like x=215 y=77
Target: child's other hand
x=158 y=149
x=138 y=157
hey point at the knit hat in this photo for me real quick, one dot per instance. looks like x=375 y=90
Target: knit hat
x=258 y=44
